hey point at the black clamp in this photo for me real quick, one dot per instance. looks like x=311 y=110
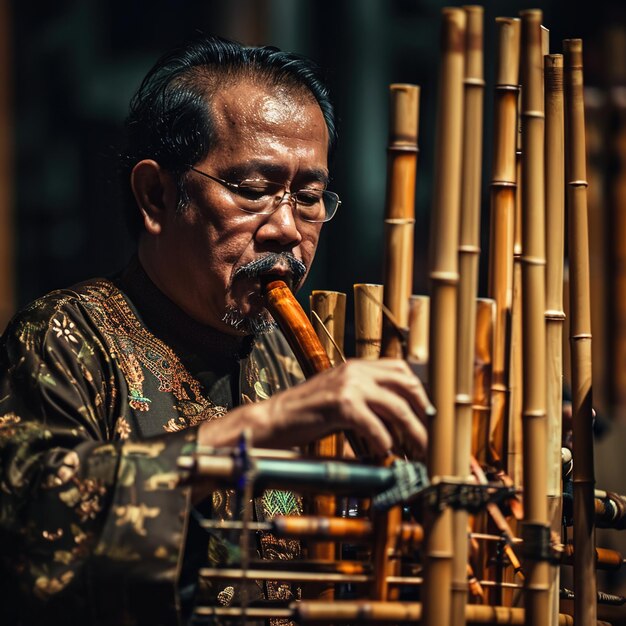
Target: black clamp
x=466 y=496
x=410 y=480
x=536 y=546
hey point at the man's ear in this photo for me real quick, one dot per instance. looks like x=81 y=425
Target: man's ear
x=155 y=192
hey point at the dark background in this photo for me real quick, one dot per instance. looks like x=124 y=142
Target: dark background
x=74 y=64
x=77 y=63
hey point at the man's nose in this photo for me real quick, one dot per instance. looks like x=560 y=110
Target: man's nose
x=281 y=225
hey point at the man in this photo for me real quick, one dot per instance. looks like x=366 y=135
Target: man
x=104 y=385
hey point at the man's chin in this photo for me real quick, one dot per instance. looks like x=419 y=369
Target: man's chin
x=250 y=320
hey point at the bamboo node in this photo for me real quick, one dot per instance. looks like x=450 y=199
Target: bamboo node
x=533 y=114
x=402 y=148
x=532 y=260
x=557 y=316
x=578 y=183
x=402 y=221
x=474 y=82
x=580 y=336
x=450 y=278
x=503 y=87
x=469 y=249
x=504 y=184
x=534 y=413
x=463 y=399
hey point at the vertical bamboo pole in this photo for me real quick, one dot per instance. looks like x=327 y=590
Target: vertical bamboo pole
x=485 y=320
x=585 y=601
x=514 y=439
x=555 y=316
x=7 y=270
x=368 y=320
x=469 y=253
x=503 y=185
x=400 y=212
x=444 y=277
x=398 y=276
x=330 y=307
x=535 y=528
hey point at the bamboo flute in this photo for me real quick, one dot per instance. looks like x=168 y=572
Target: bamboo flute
x=503 y=186
x=443 y=301
x=555 y=316
x=535 y=528
x=400 y=213
x=368 y=320
x=330 y=307
x=469 y=253
x=585 y=599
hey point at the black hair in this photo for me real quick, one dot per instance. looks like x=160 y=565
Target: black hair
x=170 y=115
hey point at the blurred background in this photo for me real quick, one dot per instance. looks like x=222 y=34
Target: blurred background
x=68 y=69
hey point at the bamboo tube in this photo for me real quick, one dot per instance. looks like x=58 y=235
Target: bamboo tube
x=555 y=316
x=503 y=185
x=535 y=529
x=400 y=212
x=515 y=456
x=444 y=285
x=371 y=612
x=419 y=320
x=469 y=253
x=7 y=269
x=368 y=320
x=605 y=559
x=485 y=319
x=398 y=282
x=330 y=307
x=585 y=602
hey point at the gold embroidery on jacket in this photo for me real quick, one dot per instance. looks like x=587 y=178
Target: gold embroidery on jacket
x=136 y=348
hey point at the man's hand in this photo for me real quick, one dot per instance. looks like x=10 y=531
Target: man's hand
x=375 y=399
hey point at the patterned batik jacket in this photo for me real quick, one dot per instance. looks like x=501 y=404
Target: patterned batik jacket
x=102 y=388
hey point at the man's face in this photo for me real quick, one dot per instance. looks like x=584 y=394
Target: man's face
x=261 y=134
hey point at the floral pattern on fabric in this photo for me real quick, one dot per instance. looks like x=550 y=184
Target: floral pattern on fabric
x=94 y=412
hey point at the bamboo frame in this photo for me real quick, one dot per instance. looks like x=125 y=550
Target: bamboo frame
x=555 y=316
x=535 y=529
x=368 y=320
x=585 y=602
x=443 y=319
x=400 y=212
x=469 y=254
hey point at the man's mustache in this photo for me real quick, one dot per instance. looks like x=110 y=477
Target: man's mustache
x=266 y=263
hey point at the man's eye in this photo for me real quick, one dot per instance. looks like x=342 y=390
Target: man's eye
x=309 y=197
x=256 y=191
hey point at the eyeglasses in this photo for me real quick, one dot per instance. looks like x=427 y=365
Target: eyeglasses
x=263 y=197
